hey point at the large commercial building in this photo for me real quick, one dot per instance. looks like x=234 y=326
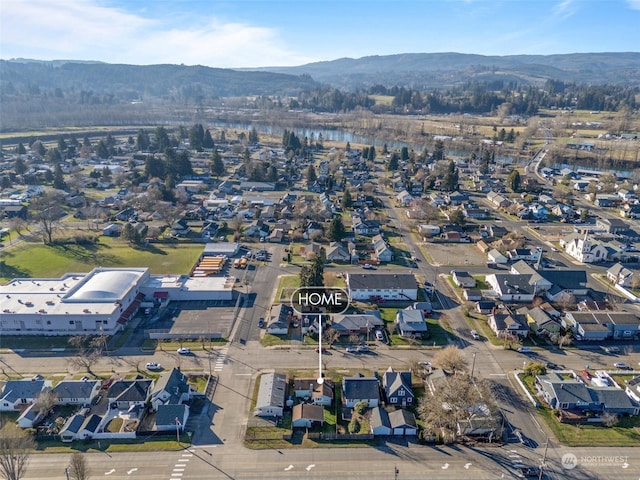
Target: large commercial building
x=99 y=302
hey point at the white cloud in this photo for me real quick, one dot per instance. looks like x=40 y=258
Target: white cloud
x=87 y=30
x=565 y=8
x=634 y=4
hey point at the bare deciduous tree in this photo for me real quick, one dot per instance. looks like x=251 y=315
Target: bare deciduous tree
x=86 y=356
x=16 y=446
x=331 y=336
x=454 y=402
x=450 y=359
x=78 y=468
x=45 y=401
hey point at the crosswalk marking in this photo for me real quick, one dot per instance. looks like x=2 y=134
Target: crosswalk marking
x=222 y=357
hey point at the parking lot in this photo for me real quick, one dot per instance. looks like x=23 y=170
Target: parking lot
x=198 y=318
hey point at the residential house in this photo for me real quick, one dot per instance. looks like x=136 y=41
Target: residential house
x=365 y=227
x=397 y=388
x=623 y=276
x=76 y=392
x=498 y=200
x=494 y=256
x=30 y=417
x=171 y=417
x=271 y=395
x=512 y=288
x=382 y=251
x=485 y=306
x=611 y=225
x=527 y=254
x=172 y=388
x=127 y=393
x=360 y=389
x=404 y=198
x=379 y=422
x=472 y=294
x=307 y=415
x=479 y=423
x=572 y=395
x=385 y=286
x=337 y=253
x=279 y=319
x=411 y=323
x=463 y=279
x=403 y=423
x=632 y=389
x=71 y=428
x=601 y=325
x=180 y=229
x=356 y=323
x=18 y=394
x=505 y=323
x=89 y=427
x=319 y=394
x=540 y=321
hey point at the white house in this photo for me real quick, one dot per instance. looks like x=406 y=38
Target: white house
x=19 y=393
x=76 y=392
x=387 y=286
x=271 y=395
x=586 y=251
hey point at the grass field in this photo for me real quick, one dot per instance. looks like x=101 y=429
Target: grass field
x=42 y=261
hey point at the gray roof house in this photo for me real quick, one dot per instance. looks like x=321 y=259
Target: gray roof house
x=126 y=393
x=411 y=323
x=19 y=393
x=30 y=417
x=76 y=392
x=379 y=421
x=71 y=428
x=620 y=275
x=359 y=388
x=564 y=394
x=271 y=395
x=388 y=286
x=397 y=388
x=171 y=417
x=310 y=389
x=279 y=318
x=356 y=323
x=172 y=388
x=505 y=323
x=403 y=423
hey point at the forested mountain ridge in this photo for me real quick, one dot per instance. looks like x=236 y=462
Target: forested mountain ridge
x=137 y=81
x=442 y=70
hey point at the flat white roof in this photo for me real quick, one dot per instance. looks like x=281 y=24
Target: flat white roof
x=184 y=282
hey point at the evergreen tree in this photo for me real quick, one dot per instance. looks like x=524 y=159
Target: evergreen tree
x=183 y=164
x=404 y=154
x=102 y=151
x=253 y=136
x=348 y=147
x=154 y=167
x=457 y=217
x=217 y=167
x=20 y=166
x=347 y=199
x=438 y=150
x=313 y=275
x=58 y=178
x=142 y=141
x=393 y=163
x=207 y=141
x=311 y=175
x=514 y=181
x=450 y=179
x=372 y=153
x=21 y=150
x=336 y=229
x=272 y=175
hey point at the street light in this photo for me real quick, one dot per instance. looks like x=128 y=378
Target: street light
x=473 y=365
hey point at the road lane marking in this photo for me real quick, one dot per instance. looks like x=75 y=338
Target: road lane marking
x=129 y=472
x=290 y=467
x=110 y=471
x=445 y=466
x=467 y=465
x=310 y=467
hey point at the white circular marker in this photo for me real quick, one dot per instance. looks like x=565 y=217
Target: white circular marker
x=320 y=380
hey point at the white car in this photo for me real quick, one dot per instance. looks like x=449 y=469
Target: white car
x=367 y=266
x=475 y=335
x=525 y=350
x=184 y=351
x=153 y=366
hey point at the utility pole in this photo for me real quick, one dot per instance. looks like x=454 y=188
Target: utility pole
x=544 y=459
x=395 y=473
x=66 y=472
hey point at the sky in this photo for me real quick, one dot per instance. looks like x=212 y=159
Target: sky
x=260 y=33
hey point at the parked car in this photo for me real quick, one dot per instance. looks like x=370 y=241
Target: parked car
x=475 y=335
x=153 y=366
x=586 y=374
x=525 y=350
x=529 y=472
x=367 y=266
x=261 y=322
x=622 y=366
x=379 y=335
x=184 y=351
x=362 y=349
x=552 y=366
x=351 y=349
x=324 y=350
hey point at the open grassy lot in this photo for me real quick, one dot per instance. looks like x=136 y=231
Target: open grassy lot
x=41 y=261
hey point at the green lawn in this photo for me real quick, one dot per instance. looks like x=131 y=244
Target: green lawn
x=42 y=261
